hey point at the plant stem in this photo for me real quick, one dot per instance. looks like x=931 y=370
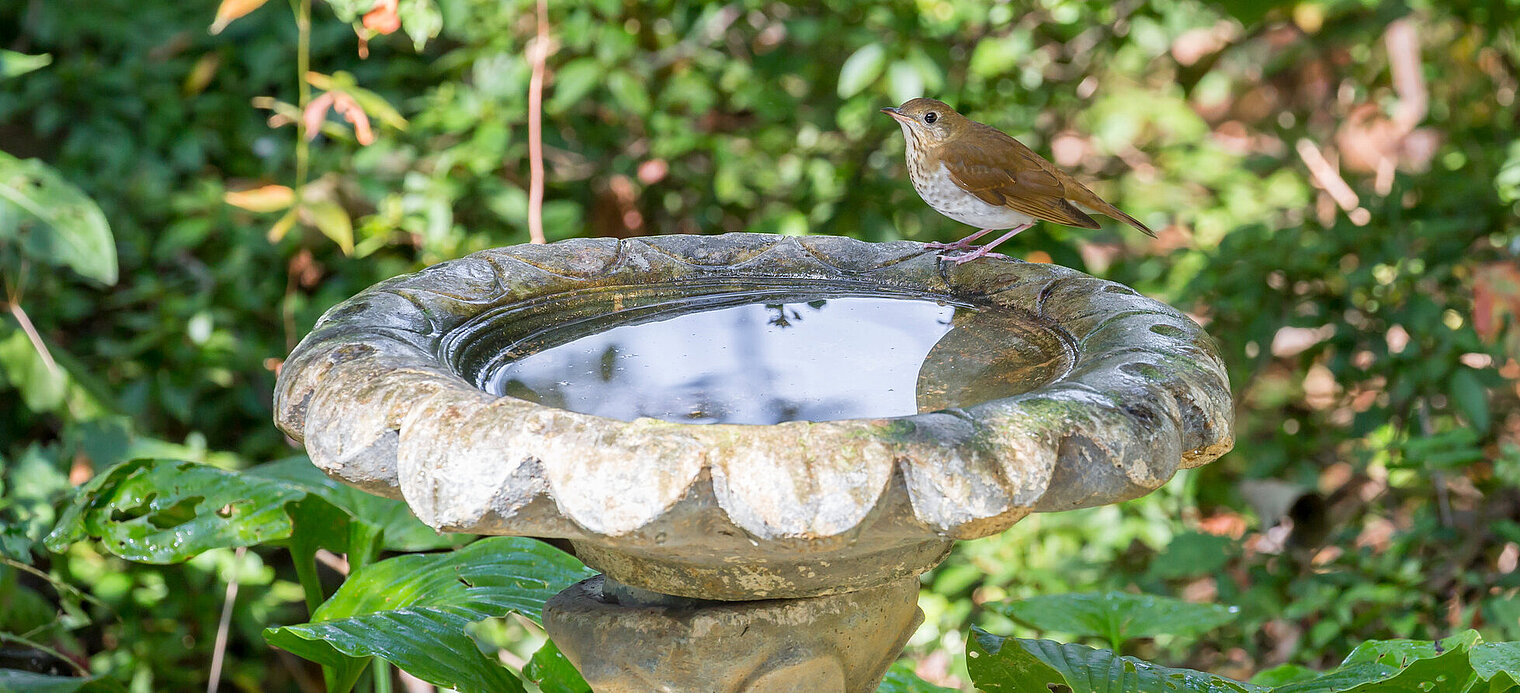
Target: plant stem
x=538 y=53
x=302 y=9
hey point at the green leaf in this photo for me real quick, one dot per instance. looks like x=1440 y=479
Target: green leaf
x=421 y=20
x=1191 y=554
x=999 y=664
x=167 y=511
x=1286 y=673
x=1119 y=616
x=905 y=80
x=16 y=680
x=553 y=672
x=43 y=388
x=402 y=530
x=333 y=221
x=412 y=610
x=13 y=64
x=1497 y=661
x=70 y=229
x=1471 y=397
x=861 y=69
x=901 y=679
x=1392 y=666
x=630 y=92
x=573 y=81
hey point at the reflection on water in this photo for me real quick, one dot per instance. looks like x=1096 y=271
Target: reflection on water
x=799 y=358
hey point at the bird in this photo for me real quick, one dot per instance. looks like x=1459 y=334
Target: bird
x=977 y=175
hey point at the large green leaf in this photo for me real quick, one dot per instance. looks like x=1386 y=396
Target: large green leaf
x=553 y=672
x=166 y=511
x=412 y=611
x=402 y=530
x=1013 y=665
x=1416 y=666
x=1119 y=616
x=71 y=230
x=1498 y=663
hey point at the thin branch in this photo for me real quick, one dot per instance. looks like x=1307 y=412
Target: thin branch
x=1329 y=179
x=219 y=650
x=31 y=334
x=538 y=53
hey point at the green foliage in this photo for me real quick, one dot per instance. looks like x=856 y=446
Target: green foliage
x=1458 y=664
x=412 y=611
x=1119 y=616
x=1368 y=346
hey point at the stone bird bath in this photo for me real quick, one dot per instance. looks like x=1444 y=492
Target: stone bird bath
x=760 y=549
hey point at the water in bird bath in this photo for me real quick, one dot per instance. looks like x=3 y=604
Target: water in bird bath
x=763 y=356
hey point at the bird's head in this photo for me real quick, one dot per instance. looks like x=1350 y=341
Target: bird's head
x=927 y=122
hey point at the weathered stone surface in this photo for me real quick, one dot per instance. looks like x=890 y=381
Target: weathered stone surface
x=630 y=641
x=1122 y=391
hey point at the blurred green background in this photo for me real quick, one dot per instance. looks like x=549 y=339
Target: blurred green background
x=1335 y=183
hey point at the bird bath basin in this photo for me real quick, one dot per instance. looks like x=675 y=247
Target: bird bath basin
x=760 y=441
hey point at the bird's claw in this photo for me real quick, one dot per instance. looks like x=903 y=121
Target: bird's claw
x=936 y=245
x=968 y=257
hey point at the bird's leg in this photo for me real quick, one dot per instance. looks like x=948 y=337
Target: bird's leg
x=962 y=244
x=986 y=250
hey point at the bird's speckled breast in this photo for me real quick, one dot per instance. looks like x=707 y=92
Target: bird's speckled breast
x=947 y=198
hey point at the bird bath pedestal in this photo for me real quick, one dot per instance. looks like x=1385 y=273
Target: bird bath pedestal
x=761 y=523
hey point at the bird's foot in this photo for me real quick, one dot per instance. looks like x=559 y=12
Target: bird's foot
x=958 y=245
x=968 y=257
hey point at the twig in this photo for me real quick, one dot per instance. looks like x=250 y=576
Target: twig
x=31 y=334
x=538 y=52
x=1330 y=180
x=219 y=650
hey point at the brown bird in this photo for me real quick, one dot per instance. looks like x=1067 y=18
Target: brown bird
x=975 y=174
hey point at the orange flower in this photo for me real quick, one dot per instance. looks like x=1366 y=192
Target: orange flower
x=383 y=18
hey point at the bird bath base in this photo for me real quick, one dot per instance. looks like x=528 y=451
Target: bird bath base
x=627 y=640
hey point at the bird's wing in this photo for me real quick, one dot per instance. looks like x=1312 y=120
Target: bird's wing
x=1001 y=171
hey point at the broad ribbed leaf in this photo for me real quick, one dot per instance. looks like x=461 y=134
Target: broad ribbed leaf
x=412 y=611
x=998 y=664
x=403 y=531
x=1119 y=616
x=70 y=229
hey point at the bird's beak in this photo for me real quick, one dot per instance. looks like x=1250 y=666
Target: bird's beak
x=895 y=114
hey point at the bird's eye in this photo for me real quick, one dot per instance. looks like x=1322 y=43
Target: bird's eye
x=930 y=117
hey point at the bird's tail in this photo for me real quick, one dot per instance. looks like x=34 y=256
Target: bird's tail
x=1119 y=214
